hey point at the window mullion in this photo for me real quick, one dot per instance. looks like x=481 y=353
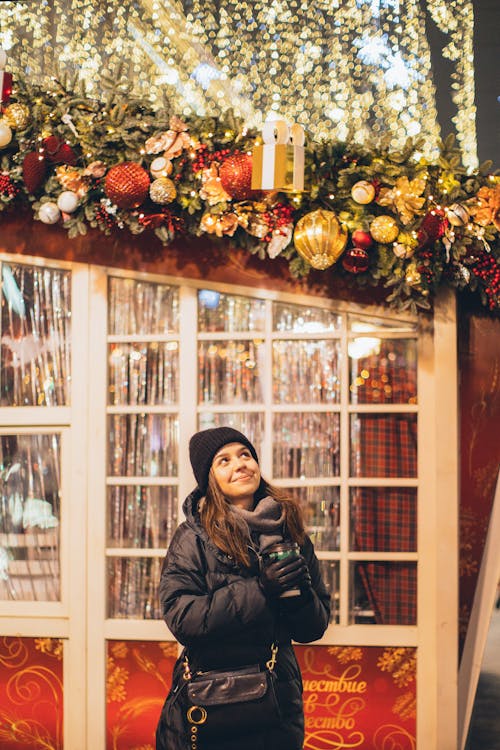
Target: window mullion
x=344 y=588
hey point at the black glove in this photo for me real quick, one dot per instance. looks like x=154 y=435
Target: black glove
x=291 y=572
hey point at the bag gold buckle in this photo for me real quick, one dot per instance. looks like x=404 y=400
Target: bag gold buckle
x=193 y=718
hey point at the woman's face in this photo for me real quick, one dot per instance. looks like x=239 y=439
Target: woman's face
x=237 y=473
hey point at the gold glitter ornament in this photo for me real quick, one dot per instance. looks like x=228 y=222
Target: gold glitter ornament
x=17 y=116
x=384 y=229
x=457 y=214
x=162 y=191
x=363 y=192
x=320 y=238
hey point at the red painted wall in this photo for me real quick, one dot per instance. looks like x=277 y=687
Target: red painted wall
x=353 y=697
x=31 y=693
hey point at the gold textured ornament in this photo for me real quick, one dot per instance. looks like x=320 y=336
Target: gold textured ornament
x=363 y=192
x=17 y=116
x=162 y=191
x=384 y=229
x=320 y=238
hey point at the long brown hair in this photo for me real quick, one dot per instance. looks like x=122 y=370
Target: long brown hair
x=229 y=532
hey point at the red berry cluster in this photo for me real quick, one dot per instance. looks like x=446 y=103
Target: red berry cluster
x=7 y=187
x=104 y=218
x=425 y=267
x=487 y=270
x=204 y=158
x=279 y=215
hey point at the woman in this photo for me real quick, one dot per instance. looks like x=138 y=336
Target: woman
x=223 y=604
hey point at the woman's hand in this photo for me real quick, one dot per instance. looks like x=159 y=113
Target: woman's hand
x=288 y=573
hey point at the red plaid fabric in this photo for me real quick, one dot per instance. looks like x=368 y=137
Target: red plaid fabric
x=384 y=519
x=385 y=445
x=391 y=588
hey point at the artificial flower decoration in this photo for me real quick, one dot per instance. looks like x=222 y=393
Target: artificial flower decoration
x=485 y=208
x=404 y=197
x=211 y=189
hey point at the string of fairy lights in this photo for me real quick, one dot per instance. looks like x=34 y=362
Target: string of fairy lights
x=357 y=69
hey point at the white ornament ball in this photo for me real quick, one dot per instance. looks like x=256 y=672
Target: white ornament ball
x=3 y=58
x=457 y=215
x=67 y=201
x=161 y=167
x=363 y=192
x=49 y=213
x=5 y=134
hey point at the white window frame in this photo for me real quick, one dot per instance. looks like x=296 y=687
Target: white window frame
x=85 y=627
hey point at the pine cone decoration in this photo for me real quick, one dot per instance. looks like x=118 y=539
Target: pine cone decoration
x=34 y=170
x=127 y=185
x=57 y=151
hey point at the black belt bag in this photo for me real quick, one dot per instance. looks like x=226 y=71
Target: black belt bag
x=222 y=702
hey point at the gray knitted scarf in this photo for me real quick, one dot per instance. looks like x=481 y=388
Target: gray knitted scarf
x=266 y=519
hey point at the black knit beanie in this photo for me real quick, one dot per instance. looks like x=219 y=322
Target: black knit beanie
x=205 y=444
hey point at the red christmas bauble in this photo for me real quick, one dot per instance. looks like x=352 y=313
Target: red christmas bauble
x=34 y=170
x=433 y=227
x=362 y=239
x=127 y=185
x=236 y=176
x=57 y=151
x=355 y=260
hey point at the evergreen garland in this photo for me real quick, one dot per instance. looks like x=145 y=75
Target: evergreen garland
x=447 y=232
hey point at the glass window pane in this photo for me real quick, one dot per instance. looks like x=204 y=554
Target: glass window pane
x=230 y=372
x=383 y=445
x=35 y=363
x=304 y=319
x=250 y=424
x=141 y=374
x=383 y=519
x=384 y=593
x=133 y=587
x=30 y=512
x=306 y=444
x=141 y=516
x=321 y=506
x=143 y=445
x=306 y=372
x=330 y=575
x=383 y=371
x=141 y=307
x=227 y=312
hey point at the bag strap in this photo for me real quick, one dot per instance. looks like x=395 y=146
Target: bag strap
x=270 y=663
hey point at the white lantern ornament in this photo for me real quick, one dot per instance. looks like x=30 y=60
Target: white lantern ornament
x=67 y=201
x=49 y=213
x=5 y=134
x=363 y=192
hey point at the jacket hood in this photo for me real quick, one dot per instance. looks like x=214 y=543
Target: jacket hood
x=190 y=507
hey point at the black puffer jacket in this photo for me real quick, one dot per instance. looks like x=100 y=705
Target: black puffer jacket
x=218 y=611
